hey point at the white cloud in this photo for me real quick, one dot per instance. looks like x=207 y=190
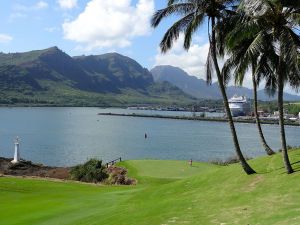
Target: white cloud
x=41 y=5
x=4 y=38
x=106 y=24
x=67 y=4
x=192 y=61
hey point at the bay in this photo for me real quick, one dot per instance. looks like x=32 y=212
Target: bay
x=67 y=136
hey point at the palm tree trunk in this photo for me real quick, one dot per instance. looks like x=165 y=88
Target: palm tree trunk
x=239 y=153
x=285 y=155
x=267 y=148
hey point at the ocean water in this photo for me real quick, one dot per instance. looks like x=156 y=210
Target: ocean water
x=68 y=136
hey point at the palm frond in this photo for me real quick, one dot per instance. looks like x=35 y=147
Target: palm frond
x=290 y=43
x=180 y=8
x=174 y=31
x=271 y=86
x=227 y=69
x=191 y=28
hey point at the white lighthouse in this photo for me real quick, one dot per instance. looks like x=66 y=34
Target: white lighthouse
x=17 y=151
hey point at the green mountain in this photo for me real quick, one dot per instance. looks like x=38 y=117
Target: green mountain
x=113 y=71
x=199 y=89
x=189 y=84
x=51 y=77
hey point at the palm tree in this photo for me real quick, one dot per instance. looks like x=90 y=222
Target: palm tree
x=241 y=60
x=276 y=23
x=193 y=14
x=255 y=84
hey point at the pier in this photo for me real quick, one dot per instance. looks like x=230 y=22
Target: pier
x=199 y=118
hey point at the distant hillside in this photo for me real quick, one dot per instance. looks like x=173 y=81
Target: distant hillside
x=199 y=89
x=50 y=76
x=112 y=72
x=189 y=84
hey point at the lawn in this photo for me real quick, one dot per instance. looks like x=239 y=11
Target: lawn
x=168 y=192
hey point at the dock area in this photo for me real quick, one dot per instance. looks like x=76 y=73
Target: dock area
x=201 y=118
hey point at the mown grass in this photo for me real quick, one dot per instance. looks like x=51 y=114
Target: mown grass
x=168 y=192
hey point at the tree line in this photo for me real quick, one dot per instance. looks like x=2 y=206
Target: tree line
x=256 y=37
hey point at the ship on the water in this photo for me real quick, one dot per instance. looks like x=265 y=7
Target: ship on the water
x=239 y=106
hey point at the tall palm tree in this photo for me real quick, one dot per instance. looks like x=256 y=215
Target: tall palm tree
x=241 y=60
x=277 y=23
x=255 y=84
x=193 y=14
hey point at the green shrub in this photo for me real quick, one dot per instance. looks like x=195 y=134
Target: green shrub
x=228 y=161
x=91 y=171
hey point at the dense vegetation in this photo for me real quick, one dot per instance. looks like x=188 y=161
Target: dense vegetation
x=293 y=108
x=91 y=171
x=51 y=77
x=168 y=192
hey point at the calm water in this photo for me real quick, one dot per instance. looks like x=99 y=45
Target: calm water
x=67 y=136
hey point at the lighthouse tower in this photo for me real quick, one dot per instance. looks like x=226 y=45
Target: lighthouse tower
x=17 y=151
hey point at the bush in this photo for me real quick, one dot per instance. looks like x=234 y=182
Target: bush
x=117 y=175
x=228 y=161
x=92 y=171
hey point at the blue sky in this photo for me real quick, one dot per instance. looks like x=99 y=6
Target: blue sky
x=37 y=24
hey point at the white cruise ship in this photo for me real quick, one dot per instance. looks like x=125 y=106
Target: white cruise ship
x=239 y=106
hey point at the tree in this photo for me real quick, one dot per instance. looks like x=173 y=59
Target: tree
x=276 y=23
x=193 y=14
x=241 y=60
x=255 y=83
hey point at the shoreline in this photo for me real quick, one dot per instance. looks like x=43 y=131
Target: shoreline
x=210 y=119
x=28 y=170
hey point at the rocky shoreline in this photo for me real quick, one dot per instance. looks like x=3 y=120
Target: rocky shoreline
x=24 y=168
x=27 y=168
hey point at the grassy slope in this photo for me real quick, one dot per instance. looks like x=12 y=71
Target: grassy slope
x=169 y=192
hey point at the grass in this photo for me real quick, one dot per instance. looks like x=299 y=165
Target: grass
x=168 y=192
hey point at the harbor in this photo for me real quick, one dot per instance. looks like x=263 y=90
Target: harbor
x=60 y=136
x=202 y=117
x=240 y=108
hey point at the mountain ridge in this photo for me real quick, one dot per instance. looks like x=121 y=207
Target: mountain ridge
x=198 y=87
x=51 y=76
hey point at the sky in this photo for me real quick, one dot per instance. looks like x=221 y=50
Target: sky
x=86 y=27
